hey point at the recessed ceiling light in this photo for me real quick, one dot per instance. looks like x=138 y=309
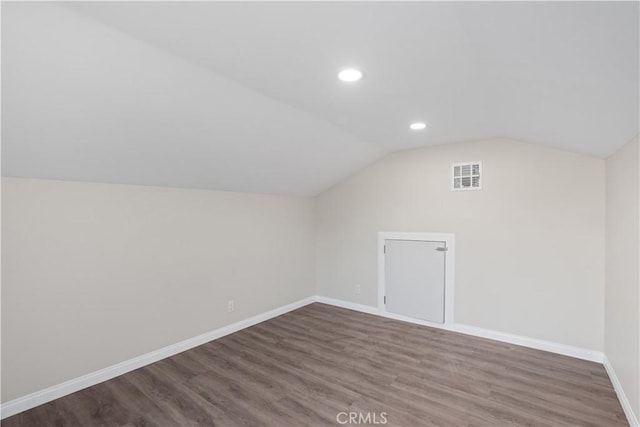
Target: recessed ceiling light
x=350 y=75
x=418 y=126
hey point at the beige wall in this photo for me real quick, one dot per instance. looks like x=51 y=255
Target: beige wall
x=97 y=273
x=529 y=245
x=94 y=274
x=622 y=297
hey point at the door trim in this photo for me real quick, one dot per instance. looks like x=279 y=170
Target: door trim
x=449 y=276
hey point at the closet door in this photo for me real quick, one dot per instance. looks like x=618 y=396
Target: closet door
x=415 y=278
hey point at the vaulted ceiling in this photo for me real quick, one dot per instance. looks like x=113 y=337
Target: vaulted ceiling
x=244 y=96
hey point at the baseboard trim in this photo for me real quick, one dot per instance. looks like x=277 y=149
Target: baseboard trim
x=348 y=305
x=37 y=398
x=566 y=350
x=617 y=386
x=552 y=347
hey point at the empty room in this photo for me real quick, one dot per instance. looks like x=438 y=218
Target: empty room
x=320 y=213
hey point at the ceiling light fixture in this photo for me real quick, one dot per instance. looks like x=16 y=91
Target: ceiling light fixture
x=418 y=126
x=350 y=75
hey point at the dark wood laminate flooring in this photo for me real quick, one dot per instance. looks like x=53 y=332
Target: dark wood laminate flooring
x=307 y=366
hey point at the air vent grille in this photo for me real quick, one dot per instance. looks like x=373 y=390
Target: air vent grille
x=466 y=176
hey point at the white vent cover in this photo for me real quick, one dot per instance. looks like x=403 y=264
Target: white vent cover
x=466 y=176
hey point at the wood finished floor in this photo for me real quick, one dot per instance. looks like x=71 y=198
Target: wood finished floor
x=305 y=367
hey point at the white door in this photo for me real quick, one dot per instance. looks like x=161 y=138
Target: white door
x=414 y=279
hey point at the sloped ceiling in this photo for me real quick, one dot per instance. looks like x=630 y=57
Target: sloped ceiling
x=243 y=96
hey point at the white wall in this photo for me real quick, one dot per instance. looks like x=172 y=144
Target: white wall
x=94 y=274
x=622 y=297
x=99 y=273
x=529 y=245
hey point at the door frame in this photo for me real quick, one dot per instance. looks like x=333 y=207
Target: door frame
x=449 y=274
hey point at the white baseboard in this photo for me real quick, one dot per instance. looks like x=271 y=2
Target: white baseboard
x=348 y=305
x=43 y=396
x=626 y=406
x=567 y=350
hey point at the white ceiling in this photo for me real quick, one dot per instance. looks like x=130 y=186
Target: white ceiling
x=244 y=96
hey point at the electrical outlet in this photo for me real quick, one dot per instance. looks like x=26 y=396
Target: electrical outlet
x=230 y=306
x=358 y=289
